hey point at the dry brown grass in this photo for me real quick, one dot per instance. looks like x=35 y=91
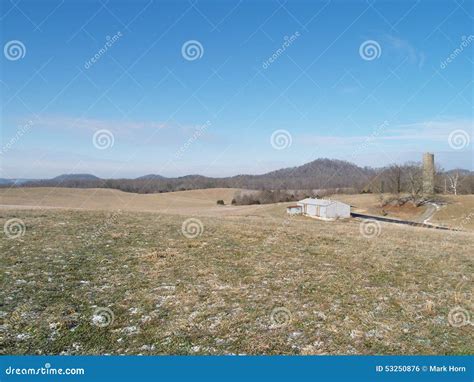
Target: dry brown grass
x=458 y=212
x=203 y=202
x=108 y=199
x=371 y=204
x=344 y=293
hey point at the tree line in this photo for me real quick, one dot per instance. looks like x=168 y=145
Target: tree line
x=317 y=176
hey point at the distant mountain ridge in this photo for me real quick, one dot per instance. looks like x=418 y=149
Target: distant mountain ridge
x=16 y=181
x=319 y=174
x=69 y=177
x=150 y=177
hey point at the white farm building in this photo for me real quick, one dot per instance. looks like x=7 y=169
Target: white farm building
x=320 y=208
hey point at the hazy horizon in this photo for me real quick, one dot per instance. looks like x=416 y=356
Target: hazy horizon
x=133 y=176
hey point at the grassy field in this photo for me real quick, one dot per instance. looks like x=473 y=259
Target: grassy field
x=245 y=281
x=182 y=202
x=454 y=213
x=458 y=212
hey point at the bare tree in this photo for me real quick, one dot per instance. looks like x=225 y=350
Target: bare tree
x=414 y=177
x=453 y=182
x=395 y=177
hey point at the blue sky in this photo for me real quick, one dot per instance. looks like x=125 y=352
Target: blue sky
x=273 y=84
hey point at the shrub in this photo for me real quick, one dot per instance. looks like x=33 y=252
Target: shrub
x=220 y=202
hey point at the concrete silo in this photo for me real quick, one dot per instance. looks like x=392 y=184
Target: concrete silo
x=428 y=174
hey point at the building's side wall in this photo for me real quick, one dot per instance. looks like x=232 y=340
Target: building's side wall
x=328 y=212
x=331 y=211
x=311 y=210
x=294 y=210
x=343 y=210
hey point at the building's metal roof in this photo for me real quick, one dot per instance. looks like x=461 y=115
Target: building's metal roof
x=318 y=202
